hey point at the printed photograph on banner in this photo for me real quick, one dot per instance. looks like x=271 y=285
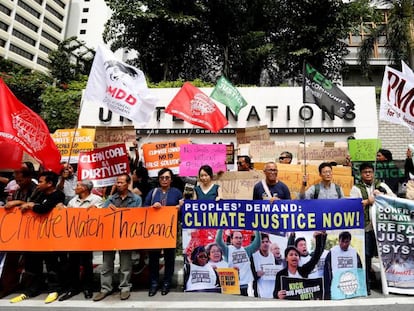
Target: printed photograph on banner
x=394 y=227
x=264 y=241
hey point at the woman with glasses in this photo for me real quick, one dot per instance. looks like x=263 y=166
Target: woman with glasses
x=198 y=275
x=164 y=195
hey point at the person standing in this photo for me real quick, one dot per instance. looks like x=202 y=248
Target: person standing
x=325 y=189
x=244 y=163
x=67 y=181
x=85 y=199
x=206 y=189
x=122 y=198
x=264 y=269
x=42 y=202
x=238 y=256
x=341 y=257
x=271 y=188
x=367 y=189
x=285 y=157
x=164 y=195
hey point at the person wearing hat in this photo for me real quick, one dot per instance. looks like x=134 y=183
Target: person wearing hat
x=83 y=198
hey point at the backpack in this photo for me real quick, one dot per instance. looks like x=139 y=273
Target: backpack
x=318 y=188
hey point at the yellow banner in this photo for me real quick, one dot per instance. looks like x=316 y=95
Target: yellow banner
x=71 y=142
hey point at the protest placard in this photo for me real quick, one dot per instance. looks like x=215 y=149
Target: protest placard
x=193 y=156
x=71 y=142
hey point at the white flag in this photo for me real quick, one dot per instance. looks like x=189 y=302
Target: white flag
x=120 y=87
x=407 y=70
x=397 y=96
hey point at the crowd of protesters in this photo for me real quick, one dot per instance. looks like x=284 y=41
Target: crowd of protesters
x=23 y=272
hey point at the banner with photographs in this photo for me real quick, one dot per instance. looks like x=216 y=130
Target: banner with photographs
x=256 y=238
x=394 y=228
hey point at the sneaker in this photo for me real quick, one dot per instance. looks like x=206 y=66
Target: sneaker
x=51 y=297
x=19 y=298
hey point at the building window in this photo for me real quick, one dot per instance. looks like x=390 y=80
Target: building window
x=44 y=49
x=4 y=26
x=22 y=36
x=60 y=3
x=2 y=43
x=82 y=32
x=21 y=52
x=50 y=37
x=52 y=25
x=5 y=9
x=84 y=20
x=39 y=2
x=42 y=62
x=28 y=8
x=85 y=10
x=54 y=12
x=26 y=23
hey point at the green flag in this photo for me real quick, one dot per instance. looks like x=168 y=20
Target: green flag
x=228 y=95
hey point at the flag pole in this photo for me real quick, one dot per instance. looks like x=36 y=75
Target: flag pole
x=304 y=120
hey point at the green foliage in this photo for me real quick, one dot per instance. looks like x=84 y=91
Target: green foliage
x=179 y=83
x=25 y=84
x=71 y=60
x=61 y=104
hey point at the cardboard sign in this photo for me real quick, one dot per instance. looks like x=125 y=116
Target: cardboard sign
x=194 y=156
x=263 y=151
x=71 y=142
x=323 y=154
x=81 y=229
x=106 y=136
x=163 y=154
x=239 y=185
x=364 y=149
x=248 y=134
x=103 y=165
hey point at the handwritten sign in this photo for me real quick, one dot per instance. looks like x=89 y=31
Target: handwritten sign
x=323 y=154
x=193 y=156
x=239 y=185
x=248 y=134
x=163 y=154
x=263 y=151
x=80 y=229
x=71 y=142
x=103 y=165
x=364 y=149
x=106 y=136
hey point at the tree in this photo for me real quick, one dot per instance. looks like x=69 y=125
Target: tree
x=71 y=59
x=60 y=106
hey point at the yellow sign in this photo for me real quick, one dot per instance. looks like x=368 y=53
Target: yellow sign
x=72 y=141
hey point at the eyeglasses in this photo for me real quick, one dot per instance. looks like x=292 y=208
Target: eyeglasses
x=165 y=177
x=202 y=256
x=282 y=158
x=240 y=163
x=272 y=170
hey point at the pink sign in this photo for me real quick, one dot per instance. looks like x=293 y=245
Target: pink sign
x=193 y=156
x=103 y=165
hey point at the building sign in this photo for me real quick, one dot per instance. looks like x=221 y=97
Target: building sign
x=279 y=108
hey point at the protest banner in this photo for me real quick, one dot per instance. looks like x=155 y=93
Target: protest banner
x=193 y=156
x=320 y=154
x=363 y=149
x=96 y=229
x=103 y=165
x=393 y=220
x=163 y=154
x=239 y=185
x=71 y=142
x=303 y=217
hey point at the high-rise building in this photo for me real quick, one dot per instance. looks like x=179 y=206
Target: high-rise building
x=30 y=29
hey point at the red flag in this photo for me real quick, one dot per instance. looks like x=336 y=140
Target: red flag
x=23 y=129
x=195 y=107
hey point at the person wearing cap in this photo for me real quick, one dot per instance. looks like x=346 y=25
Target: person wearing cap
x=285 y=157
x=293 y=270
x=85 y=199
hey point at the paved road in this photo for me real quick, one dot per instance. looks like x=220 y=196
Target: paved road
x=139 y=300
